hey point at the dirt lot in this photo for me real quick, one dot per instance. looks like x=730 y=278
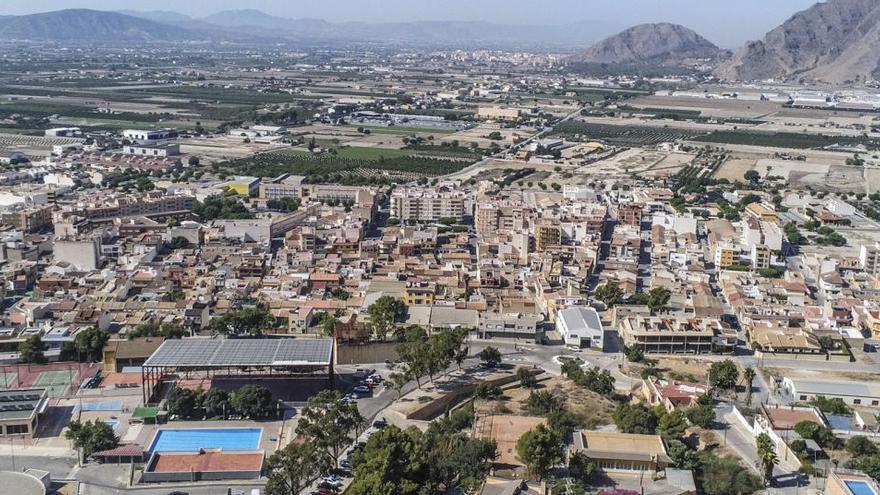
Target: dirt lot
x=593 y=409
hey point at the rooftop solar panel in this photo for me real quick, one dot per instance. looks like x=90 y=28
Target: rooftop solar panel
x=241 y=352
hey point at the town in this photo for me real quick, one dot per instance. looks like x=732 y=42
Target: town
x=266 y=269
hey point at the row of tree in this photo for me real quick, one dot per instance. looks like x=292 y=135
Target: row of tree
x=611 y=294
x=250 y=401
x=422 y=355
x=87 y=346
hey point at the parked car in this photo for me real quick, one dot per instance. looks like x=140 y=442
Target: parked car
x=361 y=389
x=331 y=481
x=380 y=423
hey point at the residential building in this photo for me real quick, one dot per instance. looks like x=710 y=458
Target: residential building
x=672 y=394
x=726 y=255
x=511 y=326
x=761 y=257
x=869 y=258
x=427 y=205
x=676 y=335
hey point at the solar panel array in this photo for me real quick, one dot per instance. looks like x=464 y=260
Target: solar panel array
x=241 y=352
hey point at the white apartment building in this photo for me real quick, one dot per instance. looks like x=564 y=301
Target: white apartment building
x=427 y=205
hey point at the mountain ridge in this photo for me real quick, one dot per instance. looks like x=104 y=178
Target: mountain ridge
x=651 y=43
x=832 y=42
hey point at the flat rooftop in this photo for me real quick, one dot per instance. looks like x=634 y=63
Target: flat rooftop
x=785 y=418
x=605 y=445
x=215 y=353
x=21 y=404
x=836 y=388
x=21 y=484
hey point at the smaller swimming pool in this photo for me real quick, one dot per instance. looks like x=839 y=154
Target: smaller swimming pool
x=859 y=487
x=191 y=440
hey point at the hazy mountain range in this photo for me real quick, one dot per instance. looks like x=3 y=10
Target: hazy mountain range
x=834 y=41
x=652 y=44
x=253 y=25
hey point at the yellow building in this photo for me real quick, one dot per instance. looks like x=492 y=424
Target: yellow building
x=725 y=256
x=243 y=186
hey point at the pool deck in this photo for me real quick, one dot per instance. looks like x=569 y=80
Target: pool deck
x=268 y=442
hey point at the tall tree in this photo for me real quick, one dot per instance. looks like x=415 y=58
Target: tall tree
x=330 y=423
x=767 y=455
x=293 y=468
x=253 y=401
x=383 y=314
x=749 y=379
x=247 y=322
x=491 y=356
x=610 y=294
x=540 y=449
x=89 y=343
x=723 y=374
x=672 y=426
x=32 y=350
x=90 y=437
x=658 y=297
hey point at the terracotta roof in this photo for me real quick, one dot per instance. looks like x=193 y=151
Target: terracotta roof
x=208 y=461
x=122 y=451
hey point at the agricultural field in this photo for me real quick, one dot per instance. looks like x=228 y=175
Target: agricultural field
x=621 y=135
x=785 y=140
x=346 y=162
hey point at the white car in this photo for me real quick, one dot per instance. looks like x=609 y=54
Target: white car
x=331 y=481
x=361 y=389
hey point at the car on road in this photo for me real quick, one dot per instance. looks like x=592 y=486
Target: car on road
x=361 y=389
x=380 y=423
x=178 y=493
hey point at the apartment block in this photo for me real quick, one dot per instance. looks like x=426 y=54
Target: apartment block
x=427 y=205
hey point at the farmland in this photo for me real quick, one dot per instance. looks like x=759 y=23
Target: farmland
x=621 y=135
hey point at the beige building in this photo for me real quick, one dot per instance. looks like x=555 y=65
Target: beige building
x=676 y=335
x=547 y=233
x=427 y=205
x=624 y=453
x=498 y=113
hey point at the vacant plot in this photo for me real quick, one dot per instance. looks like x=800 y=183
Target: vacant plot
x=733 y=169
x=591 y=408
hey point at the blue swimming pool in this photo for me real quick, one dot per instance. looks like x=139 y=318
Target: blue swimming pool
x=191 y=440
x=859 y=487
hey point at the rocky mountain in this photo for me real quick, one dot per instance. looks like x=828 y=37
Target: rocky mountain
x=661 y=44
x=836 y=42
x=88 y=25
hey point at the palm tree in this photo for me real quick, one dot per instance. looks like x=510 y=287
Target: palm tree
x=749 y=378
x=767 y=455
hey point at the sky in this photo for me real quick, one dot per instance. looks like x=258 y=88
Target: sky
x=728 y=23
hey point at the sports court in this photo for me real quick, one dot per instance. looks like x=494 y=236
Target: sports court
x=59 y=378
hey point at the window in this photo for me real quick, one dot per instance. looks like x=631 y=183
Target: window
x=16 y=429
x=803 y=397
x=857 y=401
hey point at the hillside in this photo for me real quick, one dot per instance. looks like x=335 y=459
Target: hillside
x=663 y=43
x=88 y=25
x=833 y=42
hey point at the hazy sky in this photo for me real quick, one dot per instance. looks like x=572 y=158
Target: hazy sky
x=726 y=22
